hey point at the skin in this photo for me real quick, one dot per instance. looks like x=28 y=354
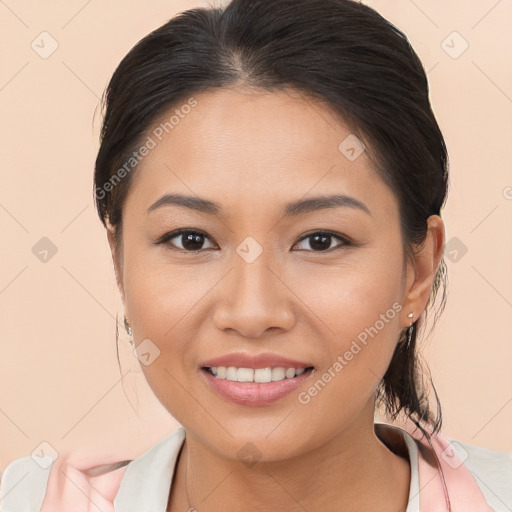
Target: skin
x=252 y=152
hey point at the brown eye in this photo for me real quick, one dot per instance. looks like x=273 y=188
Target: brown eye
x=188 y=240
x=321 y=241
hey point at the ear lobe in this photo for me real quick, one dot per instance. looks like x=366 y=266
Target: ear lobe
x=115 y=259
x=427 y=261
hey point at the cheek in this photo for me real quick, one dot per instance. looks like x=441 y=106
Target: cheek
x=163 y=300
x=350 y=298
x=166 y=304
x=356 y=309
x=365 y=329
x=156 y=293
x=163 y=303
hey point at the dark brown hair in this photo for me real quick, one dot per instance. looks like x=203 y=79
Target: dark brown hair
x=337 y=51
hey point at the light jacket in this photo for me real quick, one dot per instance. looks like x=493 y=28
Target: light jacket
x=446 y=476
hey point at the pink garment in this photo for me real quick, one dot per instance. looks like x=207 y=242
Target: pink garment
x=453 y=490
x=88 y=490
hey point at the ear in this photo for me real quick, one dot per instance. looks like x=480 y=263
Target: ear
x=420 y=277
x=116 y=259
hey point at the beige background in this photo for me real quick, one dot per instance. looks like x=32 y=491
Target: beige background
x=59 y=379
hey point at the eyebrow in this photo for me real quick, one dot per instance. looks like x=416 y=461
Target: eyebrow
x=293 y=209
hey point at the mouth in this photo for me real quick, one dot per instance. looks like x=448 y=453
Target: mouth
x=255 y=387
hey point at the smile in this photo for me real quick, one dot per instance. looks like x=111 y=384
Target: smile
x=255 y=387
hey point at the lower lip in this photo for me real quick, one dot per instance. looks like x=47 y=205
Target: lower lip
x=255 y=394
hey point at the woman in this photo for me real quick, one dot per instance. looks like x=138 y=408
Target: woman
x=271 y=178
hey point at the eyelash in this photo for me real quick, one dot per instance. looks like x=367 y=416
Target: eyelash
x=174 y=234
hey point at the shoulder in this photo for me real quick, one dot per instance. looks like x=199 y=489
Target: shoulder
x=481 y=469
x=28 y=483
x=23 y=483
x=34 y=483
x=492 y=471
x=137 y=492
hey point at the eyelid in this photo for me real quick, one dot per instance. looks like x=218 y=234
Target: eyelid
x=334 y=234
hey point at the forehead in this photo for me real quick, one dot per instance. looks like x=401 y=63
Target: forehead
x=240 y=124
x=254 y=147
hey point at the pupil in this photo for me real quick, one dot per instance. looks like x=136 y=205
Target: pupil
x=321 y=245
x=190 y=239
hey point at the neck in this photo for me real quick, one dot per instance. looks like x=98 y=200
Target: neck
x=354 y=470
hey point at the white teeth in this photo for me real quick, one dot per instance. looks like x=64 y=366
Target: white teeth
x=232 y=373
x=245 y=375
x=278 y=373
x=260 y=375
x=263 y=375
x=290 y=373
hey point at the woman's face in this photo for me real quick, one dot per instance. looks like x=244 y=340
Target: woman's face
x=256 y=283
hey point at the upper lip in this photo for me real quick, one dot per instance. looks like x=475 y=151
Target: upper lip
x=244 y=360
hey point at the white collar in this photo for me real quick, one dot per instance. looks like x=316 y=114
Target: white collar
x=148 y=478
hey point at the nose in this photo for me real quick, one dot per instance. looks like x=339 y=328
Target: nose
x=254 y=300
